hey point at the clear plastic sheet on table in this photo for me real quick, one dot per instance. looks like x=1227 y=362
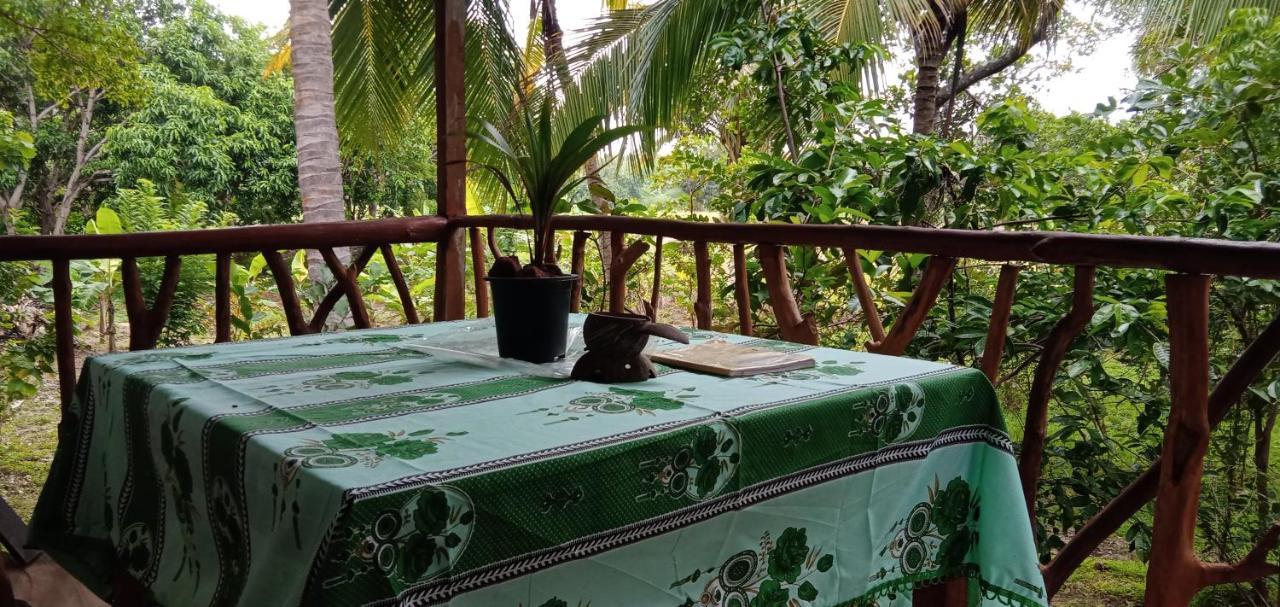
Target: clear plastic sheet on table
x=477 y=343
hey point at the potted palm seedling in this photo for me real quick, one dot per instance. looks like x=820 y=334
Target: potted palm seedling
x=531 y=301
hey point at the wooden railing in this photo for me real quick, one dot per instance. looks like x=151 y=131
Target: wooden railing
x=1175 y=574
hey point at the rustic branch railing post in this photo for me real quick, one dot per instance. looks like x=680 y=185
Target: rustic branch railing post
x=617 y=274
x=402 y=286
x=741 y=290
x=222 y=298
x=1173 y=573
x=792 y=325
x=862 y=289
x=998 y=328
x=937 y=271
x=146 y=323
x=64 y=332
x=578 y=265
x=623 y=258
x=320 y=315
x=283 y=275
x=1055 y=350
x=655 y=295
x=346 y=281
x=479 y=270
x=702 y=303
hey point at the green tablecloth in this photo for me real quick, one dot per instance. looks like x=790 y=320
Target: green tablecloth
x=350 y=469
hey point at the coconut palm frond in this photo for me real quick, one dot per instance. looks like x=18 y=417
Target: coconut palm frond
x=1165 y=21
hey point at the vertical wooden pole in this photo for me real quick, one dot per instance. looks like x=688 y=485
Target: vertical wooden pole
x=478 y=270
x=655 y=296
x=617 y=274
x=863 y=290
x=578 y=264
x=402 y=286
x=792 y=325
x=1036 y=426
x=288 y=294
x=451 y=165
x=702 y=303
x=999 y=327
x=135 y=305
x=64 y=332
x=222 y=298
x=1174 y=572
x=741 y=291
x=937 y=271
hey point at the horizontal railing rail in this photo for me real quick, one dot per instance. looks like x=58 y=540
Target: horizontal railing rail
x=1191 y=265
x=1185 y=255
x=223 y=240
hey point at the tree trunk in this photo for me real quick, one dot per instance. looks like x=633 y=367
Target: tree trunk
x=319 y=166
x=930 y=52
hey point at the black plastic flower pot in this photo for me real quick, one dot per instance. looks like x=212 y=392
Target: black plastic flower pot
x=532 y=316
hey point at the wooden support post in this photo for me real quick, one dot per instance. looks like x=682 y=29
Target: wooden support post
x=346 y=280
x=623 y=259
x=655 y=297
x=222 y=298
x=578 y=263
x=451 y=164
x=999 y=326
x=862 y=288
x=64 y=333
x=449 y=302
x=702 y=304
x=493 y=243
x=339 y=289
x=741 y=290
x=479 y=270
x=283 y=274
x=937 y=271
x=617 y=274
x=146 y=323
x=1055 y=349
x=402 y=286
x=791 y=324
x=1174 y=573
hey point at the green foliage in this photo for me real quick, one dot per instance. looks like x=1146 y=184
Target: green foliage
x=213 y=126
x=17 y=148
x=144 y=209
x=794 y=68
x=544 y=166
x=26 y=341
x=85 y=44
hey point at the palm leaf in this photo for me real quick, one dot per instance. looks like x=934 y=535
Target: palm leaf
x=1164 y=21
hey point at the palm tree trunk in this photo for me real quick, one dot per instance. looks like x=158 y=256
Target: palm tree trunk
x=319 y=166
x=929 y=56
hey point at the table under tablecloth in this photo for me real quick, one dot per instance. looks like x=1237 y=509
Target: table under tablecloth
x=355 y=469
